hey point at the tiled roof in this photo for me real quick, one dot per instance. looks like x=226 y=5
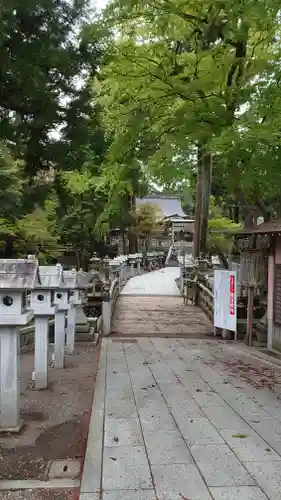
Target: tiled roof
x=271 y=226
x=168 y=205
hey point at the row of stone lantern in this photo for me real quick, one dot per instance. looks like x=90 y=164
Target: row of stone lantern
x=53 y=293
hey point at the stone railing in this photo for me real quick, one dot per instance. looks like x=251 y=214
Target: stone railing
x=108 y=305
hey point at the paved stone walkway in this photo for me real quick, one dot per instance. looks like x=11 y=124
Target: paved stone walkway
x=183 y=420
x=159 y=283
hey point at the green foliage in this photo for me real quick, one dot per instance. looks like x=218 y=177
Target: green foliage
x=146 y=219
x=40 y=60
x=11 y=188
x=179 y=75
x=221 y=231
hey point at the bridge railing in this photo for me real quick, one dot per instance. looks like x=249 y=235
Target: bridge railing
x=198 y=294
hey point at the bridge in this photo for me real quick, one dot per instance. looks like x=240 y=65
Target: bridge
x=174 y=414
x=151 y=305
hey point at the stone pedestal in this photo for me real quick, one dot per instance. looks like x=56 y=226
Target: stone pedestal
x=10 y=379
x=59 y=339
x=82 y=324
x=41 y=352
x=70 y=332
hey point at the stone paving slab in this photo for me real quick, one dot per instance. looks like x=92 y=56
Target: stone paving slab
x=175 y=423
x=125 y=467
x=129 y=494
x=179 y=481
x=239 y=493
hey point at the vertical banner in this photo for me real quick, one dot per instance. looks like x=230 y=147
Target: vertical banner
x=225 y=290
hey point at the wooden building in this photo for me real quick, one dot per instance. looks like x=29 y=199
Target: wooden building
x=264 y=244
x=174 y=225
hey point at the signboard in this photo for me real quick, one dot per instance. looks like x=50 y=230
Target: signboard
x=225 y=290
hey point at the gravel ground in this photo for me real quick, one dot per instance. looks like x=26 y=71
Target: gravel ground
x=39 y=495
x=56 y=419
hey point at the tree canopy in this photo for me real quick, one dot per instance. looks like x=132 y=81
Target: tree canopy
x=187 y=75
x=96 y=109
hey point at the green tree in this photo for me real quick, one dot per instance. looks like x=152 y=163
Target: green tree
x=146 y=222
x=221 y=233
x=11 y=190
x=178 y=78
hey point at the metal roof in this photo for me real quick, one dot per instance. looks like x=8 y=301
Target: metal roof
x=168 y=205
x=272 y=226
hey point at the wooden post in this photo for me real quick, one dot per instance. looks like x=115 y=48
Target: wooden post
x=270 y=301
x=250 y=314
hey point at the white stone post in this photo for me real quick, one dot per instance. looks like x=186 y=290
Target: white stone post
x=10 y=379
x=42 y=304
x=70 y=333
x=17 y=276
x=62 y=301
x=70 y=280
x=106 y=312
x=59 y=339
x=41 y=357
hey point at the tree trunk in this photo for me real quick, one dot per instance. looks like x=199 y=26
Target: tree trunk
x=203 y=193
x=206 y=162
x=236 y=211
x=9 y=247
x=132 y=232
x=197 y=228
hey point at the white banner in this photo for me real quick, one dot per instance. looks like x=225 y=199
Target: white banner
x=225 y=291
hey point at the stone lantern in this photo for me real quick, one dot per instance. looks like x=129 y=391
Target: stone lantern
x=70 y=282
x=114 y=266
x=138 y=261
x=61 y=299
x=132 y=261
x=95 y=271
x=42 y=304
x=16 y=277
x=106 y=263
